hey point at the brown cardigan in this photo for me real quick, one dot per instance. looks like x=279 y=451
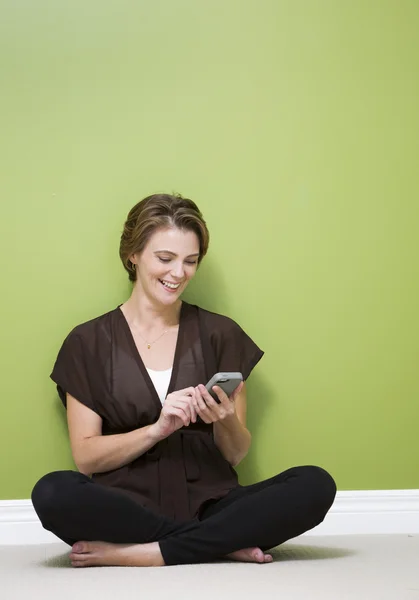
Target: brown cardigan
x=99 y=365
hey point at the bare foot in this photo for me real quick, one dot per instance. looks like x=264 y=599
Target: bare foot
x=89 y=554
x=251 y=555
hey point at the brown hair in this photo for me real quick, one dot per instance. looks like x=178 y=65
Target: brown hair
x=155 y=212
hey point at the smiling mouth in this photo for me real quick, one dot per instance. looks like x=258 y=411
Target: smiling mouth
x=169 y=286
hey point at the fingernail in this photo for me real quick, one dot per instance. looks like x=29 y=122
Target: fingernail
x=77 y=547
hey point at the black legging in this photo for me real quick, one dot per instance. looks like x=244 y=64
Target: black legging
x=264 y=514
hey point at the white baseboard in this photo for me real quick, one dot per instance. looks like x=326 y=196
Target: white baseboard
x=355 y=512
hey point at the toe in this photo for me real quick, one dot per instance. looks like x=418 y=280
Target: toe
x=258 y=555
x=80 y=547
x=77 y=563
x=81 y=564
x=75 y=556
x=83 y=560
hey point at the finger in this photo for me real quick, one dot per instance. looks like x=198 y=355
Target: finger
x=207 y=405
x=186 y=392
x=237 y=391
x=199 y=400
x=191 y=404
x=178 y=411
x=182 y=416
x=195 y=405
x=189 y=391
x=218 y=410
x=210 y=402
x=186 y=403
x=207 y=420
x=221 y=395
x=190 y=408
x=194 y=414
x=213 y=410
x=205 y=415
x=202 y=409
x=178 y=399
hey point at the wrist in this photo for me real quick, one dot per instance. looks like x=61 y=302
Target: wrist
x=154 y=434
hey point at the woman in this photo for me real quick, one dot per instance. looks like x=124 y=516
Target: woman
x=156 y=454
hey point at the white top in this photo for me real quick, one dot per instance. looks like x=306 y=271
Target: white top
x=161 y=380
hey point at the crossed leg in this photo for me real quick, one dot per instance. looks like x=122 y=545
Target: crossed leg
x=240 y=526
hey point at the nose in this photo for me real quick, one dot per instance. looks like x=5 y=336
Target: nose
x=178 y=270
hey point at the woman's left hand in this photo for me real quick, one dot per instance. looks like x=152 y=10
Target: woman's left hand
x=209 y=410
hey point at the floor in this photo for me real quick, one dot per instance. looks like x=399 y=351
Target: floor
x=379 y=567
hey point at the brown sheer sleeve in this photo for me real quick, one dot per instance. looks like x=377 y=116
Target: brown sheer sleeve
x=234 y=349
x=71 y=371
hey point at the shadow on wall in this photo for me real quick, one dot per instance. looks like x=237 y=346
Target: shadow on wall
x=208 y=289
x=260 y=398
x=60 y=423
x=60 y=413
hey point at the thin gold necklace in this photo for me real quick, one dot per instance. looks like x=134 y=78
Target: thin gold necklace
x=149 y=344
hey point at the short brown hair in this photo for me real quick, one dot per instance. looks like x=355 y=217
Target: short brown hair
x=156 y=212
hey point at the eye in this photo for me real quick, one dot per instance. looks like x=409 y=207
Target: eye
x=191 y=262
x=164 y=260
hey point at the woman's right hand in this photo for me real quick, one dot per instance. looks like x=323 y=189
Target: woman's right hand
x=178 y=411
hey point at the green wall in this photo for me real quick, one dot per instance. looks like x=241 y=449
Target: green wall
x=294 y=125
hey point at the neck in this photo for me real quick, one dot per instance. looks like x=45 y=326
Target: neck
x=139 y=308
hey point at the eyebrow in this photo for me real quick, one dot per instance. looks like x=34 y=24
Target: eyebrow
x=173 y=254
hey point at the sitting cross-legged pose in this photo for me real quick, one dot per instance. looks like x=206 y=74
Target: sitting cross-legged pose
x=155 y=452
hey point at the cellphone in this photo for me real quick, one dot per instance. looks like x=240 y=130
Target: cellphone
x=226 y=381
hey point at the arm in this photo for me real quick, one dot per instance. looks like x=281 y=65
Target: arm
x=97 y=453
x=231 y=436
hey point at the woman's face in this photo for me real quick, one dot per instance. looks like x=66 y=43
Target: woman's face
x=167 y=264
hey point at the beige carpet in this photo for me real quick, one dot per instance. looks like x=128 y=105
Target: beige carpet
x=382 y=567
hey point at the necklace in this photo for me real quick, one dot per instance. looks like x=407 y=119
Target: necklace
x=149 y=344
